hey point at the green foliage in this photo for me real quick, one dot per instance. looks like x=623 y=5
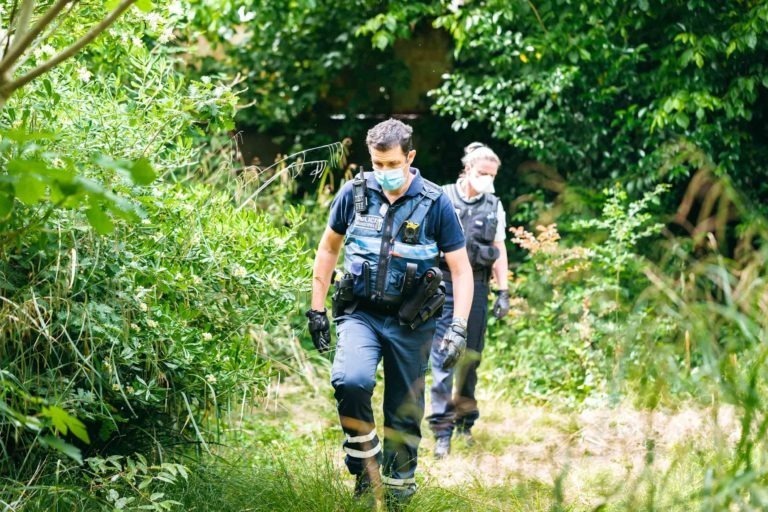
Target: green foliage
x=127 y=342
x=572 y=301
x=107 y=484
x=301 y=59
x=152 y=328
x=607 y=90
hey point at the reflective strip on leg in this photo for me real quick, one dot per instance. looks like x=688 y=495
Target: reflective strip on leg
x=362 y=439
x=397 y=482
x=363 y=455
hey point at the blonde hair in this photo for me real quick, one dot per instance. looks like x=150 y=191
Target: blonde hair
x=478 y=152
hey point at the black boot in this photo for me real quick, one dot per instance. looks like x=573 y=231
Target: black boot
x=362 y=484
x=396 y=498
x=465 y=435
x=442 y=447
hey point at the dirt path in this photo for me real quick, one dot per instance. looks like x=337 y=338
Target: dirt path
x=592 y=452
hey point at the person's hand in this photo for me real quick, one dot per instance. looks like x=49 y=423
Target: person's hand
x=320 y=329
x=454 y=342
x=501 y=306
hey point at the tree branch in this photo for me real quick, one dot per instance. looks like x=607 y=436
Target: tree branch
x=11 y=19
x=19 y=45
x=22 y=24
x=536 y=12
x=7 y=90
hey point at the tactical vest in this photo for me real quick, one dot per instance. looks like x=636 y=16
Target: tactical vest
x=479 y=220
x=383 y=239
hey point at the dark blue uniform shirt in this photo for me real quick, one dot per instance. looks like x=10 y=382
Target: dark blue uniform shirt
x=442 y=224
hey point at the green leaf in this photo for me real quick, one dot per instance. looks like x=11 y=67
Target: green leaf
x=25 y=136
x=29 y=188
x=682 y=120
x=99 y=220
x=643 y=4
x=380 y=40
x=142 y=172
x=6 y=204
x=145 y=5
x=73 y=452
x=65 y=422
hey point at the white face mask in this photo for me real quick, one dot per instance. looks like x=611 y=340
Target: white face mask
x=482 y=184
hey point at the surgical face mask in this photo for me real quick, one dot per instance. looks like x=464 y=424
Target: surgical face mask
x=482 y=184
x=390 y=179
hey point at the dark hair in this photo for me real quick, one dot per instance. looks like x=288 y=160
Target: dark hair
x=389 y=134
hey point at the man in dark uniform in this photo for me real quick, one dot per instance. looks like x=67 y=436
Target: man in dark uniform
x=483 y=219
x=393 y=224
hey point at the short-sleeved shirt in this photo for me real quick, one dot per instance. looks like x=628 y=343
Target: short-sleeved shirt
x=441 y=223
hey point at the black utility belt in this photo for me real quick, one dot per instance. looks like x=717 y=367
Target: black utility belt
x=423 y=300
x=377 y=307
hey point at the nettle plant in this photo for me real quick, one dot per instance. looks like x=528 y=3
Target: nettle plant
x=572 y=299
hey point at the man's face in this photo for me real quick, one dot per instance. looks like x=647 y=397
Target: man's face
x=393 y=159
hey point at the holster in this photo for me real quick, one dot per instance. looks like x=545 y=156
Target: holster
x=425 y=300
x=342 y=297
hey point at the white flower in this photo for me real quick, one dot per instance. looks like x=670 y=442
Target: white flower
x=136 y=41
x=176 y=9
x=196 y=279
x=143 y=306
x=239 y=271
x=130 y=390
x=83 y=74
x=44 y=51
x=207 y=336
x=245 y=16
x=151 y=323
x=135 y=327
x=166 y=35
x=116 y=387
x=146 y=222
x=153 y=20
x=210 y=378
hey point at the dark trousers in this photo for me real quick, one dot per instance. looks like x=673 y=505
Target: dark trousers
x=458 y=408
x=364 y=339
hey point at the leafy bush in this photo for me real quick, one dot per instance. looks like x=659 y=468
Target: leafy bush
x=143 y=339
x=615 y=90
x=571 y=301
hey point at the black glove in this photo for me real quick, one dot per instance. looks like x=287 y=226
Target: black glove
x=320 y=329
x=501 y=306
x=454 y=342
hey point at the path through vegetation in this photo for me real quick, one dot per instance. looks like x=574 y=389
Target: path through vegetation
x=589 y=456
